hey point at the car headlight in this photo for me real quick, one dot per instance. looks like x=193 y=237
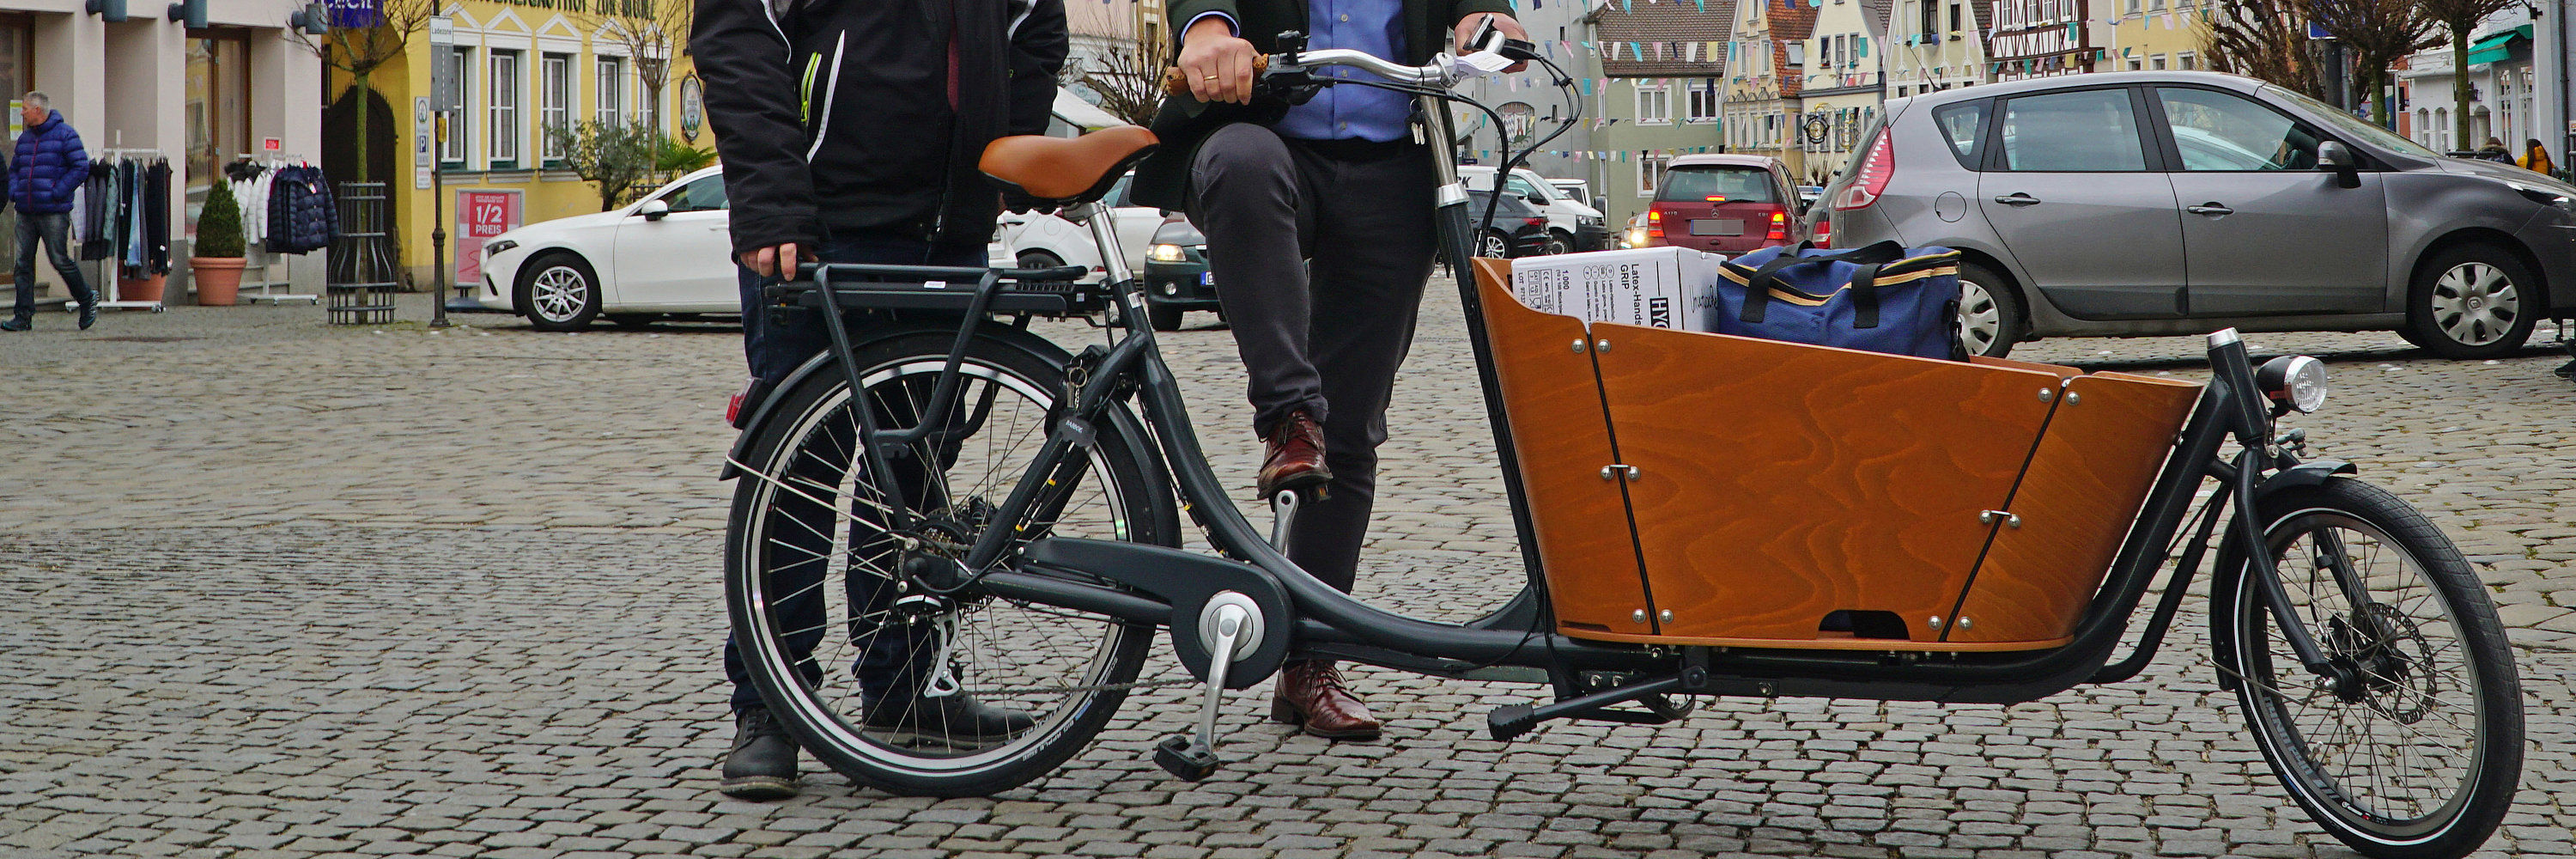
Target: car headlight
x=1166 y=253
x=1588 y=221
x=2539 y=195
x=2295 y=381
x=497 y=247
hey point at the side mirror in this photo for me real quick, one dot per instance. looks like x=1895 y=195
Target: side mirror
x=1601 y=203
x=2334 y=156
x=654 y=210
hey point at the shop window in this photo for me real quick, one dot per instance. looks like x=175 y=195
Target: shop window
x=609 y=104
x=218 y=107
x=504 y=106
x=554 y=105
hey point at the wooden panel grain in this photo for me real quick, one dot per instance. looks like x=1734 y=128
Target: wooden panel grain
x=1553 y=405
x=1779 y=482
x=2086 y=482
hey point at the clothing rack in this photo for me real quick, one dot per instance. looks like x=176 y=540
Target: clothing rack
x=258 y=258
x=107 y=267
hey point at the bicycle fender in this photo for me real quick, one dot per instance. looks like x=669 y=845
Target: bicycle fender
x=2303 y=474
x=1186 y=580
x=2229 y=574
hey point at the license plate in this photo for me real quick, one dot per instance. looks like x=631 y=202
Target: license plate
x=1717 y=227
x=1207 y=278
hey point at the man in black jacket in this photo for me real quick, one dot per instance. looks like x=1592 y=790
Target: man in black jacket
x=1321 y=334
x=849 y=132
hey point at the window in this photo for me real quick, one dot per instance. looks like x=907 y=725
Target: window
x=1704 y=99
x=609 y=98
x=1954 y=17
x=1718 y=185
x=2219 y=131
x=554 y=102
x=1654 y=104
x=2072 y=132
x=2133 y=7
x=2156 y=63
x=704 y=195
x=1650 y=173
x=2187 y=61
x=460 y=64
x=1964 y=126
x=504 y=106
x=1931 y=17
x=648 y=108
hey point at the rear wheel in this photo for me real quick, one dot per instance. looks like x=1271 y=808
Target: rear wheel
x=2420 y=760
x=1990 y=314
x=2473 y=301
x=1558 y=242
x=1493 y=244
x=856 y=660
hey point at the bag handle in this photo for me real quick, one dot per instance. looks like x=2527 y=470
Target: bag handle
x=1757 y=289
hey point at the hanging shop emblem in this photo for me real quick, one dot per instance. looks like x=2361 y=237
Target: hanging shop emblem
x=693 y=107
x=1817 y=127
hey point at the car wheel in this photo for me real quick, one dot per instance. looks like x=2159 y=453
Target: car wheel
x=1040 y=259
x=1990 y=316
x=1558 y=243
x=2472 y=301
x=1493 y=244
x=558 y=292
x=1164 y=317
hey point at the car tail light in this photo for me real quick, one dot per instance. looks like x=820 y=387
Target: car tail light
x=1824 y=231
x=1654 y=223
x=1872 y=179
x=1779 y=228
x=1535 y=222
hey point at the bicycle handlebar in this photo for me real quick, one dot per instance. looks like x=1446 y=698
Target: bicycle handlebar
x=1441 y=72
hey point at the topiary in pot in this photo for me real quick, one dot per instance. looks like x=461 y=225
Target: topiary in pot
x=216 y=260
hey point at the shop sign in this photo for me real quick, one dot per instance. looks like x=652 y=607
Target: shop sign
x=693 y=107
x=420 y=143
x=271 y=145
x=356 y=14
x=480 y=215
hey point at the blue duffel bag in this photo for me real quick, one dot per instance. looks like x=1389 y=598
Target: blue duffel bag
x=1881 y=298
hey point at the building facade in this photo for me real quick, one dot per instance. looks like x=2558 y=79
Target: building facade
x=1663 y=94
x=1766 y=77
x=1843 y=86
x=2041 y=38
x=2505 y=90
x=149 y=87
x=522 y=67
x=2153 y=35
x=1933 y=45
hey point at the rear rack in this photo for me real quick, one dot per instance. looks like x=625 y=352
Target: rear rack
x=1032 y=291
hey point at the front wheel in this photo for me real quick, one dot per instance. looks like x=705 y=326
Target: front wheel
x=897 y=688
x=2473 y=301
x=559 y=292
x=2419 y=757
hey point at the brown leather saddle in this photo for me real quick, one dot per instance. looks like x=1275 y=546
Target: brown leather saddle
x=1067 y=171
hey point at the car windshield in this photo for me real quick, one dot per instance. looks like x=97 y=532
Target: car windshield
x=1717 y=185
x=2352 y=125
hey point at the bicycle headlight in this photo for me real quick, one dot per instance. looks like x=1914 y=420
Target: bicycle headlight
x=1166 y=253
x=2294 y=381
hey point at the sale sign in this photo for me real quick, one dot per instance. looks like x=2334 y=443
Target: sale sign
x=480 y=215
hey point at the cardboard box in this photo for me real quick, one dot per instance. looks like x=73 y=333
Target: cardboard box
x=1664 y=287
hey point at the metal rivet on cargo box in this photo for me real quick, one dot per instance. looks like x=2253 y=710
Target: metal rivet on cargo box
x=1667 y=615
x=2072 y=398
x=1965 y=623
x=1602 y=345
x=1609 y=472
x=2046 y=395
x=1578 y=346
x=1936 y=621
x=1639 y=617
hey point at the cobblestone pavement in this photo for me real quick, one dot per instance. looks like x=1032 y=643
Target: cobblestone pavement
x=289 y=592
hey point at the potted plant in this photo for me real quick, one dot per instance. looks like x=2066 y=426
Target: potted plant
x=216 y=259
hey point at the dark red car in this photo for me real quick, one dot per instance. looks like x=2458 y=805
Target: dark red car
x=1727 y=204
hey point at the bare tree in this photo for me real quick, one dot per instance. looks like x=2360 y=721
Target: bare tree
x=1116 y=62
x=2459 y=17
x=359 y=50
x=2376 y=33
x=2265 y=39
x=653 y=32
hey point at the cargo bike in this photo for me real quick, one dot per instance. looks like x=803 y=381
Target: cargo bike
x=1005 y=518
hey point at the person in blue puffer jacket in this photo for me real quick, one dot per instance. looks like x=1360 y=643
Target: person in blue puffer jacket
x=43 y=177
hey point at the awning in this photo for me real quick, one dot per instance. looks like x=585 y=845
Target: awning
x=2496 y=47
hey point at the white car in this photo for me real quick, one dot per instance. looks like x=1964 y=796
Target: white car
x=1572 y=225
x=668 y=253
x=1031 y=240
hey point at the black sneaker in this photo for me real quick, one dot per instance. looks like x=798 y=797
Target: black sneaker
x=89 y=315
x=2565 y=371
x=763 y=762
x=953 y=719
x=18 y=324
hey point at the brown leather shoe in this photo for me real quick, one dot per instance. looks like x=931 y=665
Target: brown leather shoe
x=1296 y=458
x=1312 y=693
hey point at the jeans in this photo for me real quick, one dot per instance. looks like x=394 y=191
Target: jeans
x=888 y=662
x=54 y=229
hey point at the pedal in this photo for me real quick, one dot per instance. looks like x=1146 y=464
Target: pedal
x=1230 y=627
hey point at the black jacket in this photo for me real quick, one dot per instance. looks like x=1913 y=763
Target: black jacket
x=840 y=113
x=1163 y=179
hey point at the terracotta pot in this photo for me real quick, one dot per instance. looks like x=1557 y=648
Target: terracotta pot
x=141 y=289
x=218 y=279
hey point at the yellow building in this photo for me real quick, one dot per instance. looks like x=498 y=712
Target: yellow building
x=2155 y=35
x=523 y=66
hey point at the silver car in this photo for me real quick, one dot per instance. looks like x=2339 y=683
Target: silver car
x=2148 y=203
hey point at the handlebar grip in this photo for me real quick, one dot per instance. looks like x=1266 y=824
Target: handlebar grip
x=1175 y=83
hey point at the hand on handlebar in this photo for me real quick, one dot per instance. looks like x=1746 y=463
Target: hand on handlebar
x=765 y=261
x=1216 y=63
x=1466 y=31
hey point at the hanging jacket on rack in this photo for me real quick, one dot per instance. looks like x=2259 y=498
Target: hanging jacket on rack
x=281 y=188
x=134 y=217
x=98 y=215
x=156 y=221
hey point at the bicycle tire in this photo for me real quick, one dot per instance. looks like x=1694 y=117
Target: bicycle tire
x=2428 y=589
x=770 y=536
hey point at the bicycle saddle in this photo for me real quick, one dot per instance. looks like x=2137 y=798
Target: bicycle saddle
x=1067 y=171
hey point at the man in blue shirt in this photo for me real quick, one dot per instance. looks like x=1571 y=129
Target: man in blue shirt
x=1320 y=236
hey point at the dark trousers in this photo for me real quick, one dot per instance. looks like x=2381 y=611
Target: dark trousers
x=802 y=529
x=55 y=230
x=1320 y=250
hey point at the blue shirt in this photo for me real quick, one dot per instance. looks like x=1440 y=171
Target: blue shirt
x=1373 y=27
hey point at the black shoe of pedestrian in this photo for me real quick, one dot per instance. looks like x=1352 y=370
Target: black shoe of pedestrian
x=89 y=315
x=957 y=718
x=2565 y=371
x=763 y=762
x=20 y=324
